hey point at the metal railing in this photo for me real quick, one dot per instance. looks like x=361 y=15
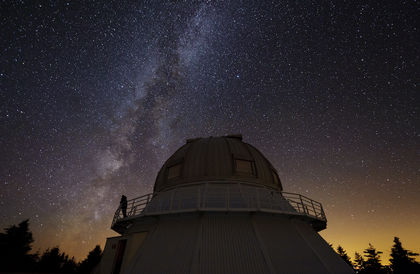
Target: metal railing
x=134 y=207
x=305 y=205
x=221 y=197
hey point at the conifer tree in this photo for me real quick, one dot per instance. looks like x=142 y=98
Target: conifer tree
x=359 y=262
x=373 y=261
x=342 y=253
x=15 y=246
x=92 y=260
x=53 y=261
x=402 y=260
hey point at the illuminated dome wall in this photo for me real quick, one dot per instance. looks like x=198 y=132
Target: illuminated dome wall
x=217 y=159
x=218 y=207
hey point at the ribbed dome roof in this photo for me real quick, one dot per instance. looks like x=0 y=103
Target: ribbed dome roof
x=223 y=159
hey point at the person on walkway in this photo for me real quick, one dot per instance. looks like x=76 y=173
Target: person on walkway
x=123 y=206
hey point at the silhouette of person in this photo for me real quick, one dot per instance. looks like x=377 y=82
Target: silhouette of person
x=123 y=205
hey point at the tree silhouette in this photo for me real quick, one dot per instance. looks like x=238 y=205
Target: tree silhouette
x=92 y=260
x=401 y=259
x=15 y=245
x=52 y=261
x=343 y=255
x=372 y=264
x=359 y=262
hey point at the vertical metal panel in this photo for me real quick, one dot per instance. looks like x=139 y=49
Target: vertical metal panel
x=212 y=159
x=238 y=148
x=180 y=154
x=218 y=163
x=134 y=244
x=232 y=243
x=329 y=257
x=108 y=255
x=289 y=252
x=170 y=248
x=263 y=167
x=229 y=245
x=195 y=165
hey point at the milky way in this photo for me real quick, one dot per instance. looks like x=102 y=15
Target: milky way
x=96 y=97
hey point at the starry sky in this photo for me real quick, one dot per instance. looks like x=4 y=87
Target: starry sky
x=96 y=96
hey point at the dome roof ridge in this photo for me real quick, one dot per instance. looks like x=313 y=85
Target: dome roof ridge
x=224 y=158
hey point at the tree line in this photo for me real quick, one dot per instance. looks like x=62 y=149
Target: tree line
x=402 y=261
x=16 y=256
x=16 y=245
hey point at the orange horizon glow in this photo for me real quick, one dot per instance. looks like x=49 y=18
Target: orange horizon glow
x=352 y=229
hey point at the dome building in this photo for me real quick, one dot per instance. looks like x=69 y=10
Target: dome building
x=218 y=206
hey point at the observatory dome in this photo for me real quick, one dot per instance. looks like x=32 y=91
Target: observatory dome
x=218 y=207
x=217 y=159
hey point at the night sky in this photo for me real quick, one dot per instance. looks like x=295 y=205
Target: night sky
x=96 y=96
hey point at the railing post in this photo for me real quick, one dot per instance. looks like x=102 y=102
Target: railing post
x=132 y=208
x=296 y=201
x=313 y=207
x=301 y=202
x=143 y=210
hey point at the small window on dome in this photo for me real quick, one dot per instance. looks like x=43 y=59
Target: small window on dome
x=244 y=167
x=276 y=179
x=174 y=171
